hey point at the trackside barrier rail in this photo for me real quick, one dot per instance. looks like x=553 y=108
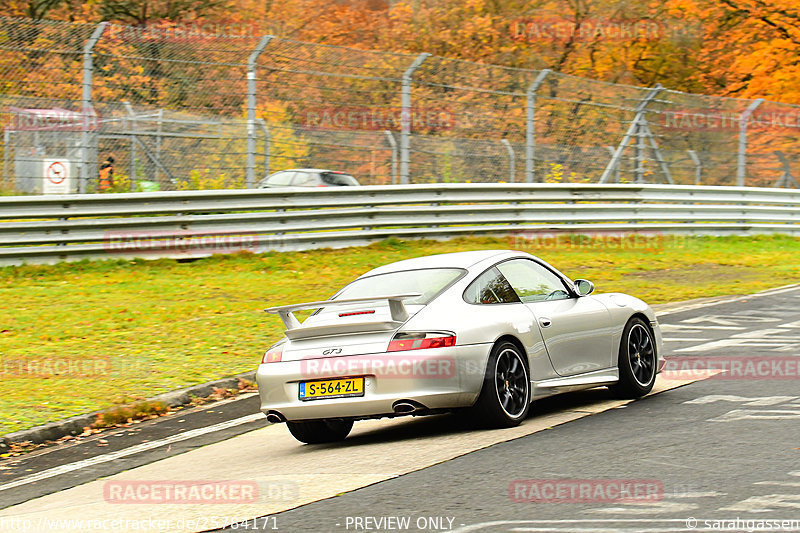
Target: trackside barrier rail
x=193 y=224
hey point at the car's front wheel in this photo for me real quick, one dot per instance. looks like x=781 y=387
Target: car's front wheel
x=636 y=361
x=504 y=400
x=320 y=431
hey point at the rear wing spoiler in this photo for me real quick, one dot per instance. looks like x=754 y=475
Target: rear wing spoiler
x=396 y=307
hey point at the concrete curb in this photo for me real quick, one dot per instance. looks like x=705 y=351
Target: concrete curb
x=75 y=425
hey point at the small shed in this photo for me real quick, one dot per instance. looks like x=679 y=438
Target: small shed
x=45 y=145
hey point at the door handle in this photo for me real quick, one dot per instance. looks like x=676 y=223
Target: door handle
x=545 y=322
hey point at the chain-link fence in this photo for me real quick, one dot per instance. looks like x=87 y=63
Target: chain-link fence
x=87 y=108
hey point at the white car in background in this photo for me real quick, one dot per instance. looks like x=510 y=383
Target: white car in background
x=308 y=177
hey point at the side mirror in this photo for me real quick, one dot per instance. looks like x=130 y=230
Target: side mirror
x=584 y=287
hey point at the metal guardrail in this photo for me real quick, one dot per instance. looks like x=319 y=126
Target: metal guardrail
x=192 y=224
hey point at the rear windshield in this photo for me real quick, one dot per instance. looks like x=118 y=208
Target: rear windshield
x=429 y=282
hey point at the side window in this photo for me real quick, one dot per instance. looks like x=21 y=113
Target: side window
x=338 y=178
x=533 y=282
x=281 y=178
x=490 y=288
x=305 y=179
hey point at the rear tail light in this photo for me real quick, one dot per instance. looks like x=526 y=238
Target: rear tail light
x=354 y=313
x=421 y=341
x=273 y=355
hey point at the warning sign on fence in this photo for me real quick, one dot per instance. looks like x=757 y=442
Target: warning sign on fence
x=56 y=177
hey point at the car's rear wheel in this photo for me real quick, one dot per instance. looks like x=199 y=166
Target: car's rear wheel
x=504 y=400
x=636 y=361
x=320 y=431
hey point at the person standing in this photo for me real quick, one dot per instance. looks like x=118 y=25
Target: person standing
x=106 y=175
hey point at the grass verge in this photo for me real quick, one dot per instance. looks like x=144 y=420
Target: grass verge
x=78 y=337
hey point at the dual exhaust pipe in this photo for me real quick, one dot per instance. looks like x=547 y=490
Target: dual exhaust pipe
x=274 y=417
x=400 y=407
x=405 y=407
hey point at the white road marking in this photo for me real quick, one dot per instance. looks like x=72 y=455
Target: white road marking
x=788 y=348
x=700 y=305
x=752 y=401
x=732 y=320
x=789 y=412
x=720 y=320
x=755 y=339
x=727 y=343
x=684 y=339
x=145 y=446
x=573 y=525
x=766 y=503
x=684 y=327
x=787 y=325
x=699 y=494
x=754 y=414
x=603 y=529
x=643 y=508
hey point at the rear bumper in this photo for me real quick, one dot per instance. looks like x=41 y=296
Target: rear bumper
x=438 y=378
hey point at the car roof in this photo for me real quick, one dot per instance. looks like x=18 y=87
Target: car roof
x=311 y=170
x=451 y=260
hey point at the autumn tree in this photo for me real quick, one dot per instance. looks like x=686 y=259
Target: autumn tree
x=749 y=47
x=138 y=12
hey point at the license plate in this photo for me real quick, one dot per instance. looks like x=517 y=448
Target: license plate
x=331 y=388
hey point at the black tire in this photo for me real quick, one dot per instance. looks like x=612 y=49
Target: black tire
x=505 y=397
x=636 y=361
x=320 y=431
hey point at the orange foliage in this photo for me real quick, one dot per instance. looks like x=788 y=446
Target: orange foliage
x=743 y=48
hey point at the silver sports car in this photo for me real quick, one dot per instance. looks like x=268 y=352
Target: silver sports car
x=489 y=331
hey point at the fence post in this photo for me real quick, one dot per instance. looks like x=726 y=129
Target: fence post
x=405 y=116
x=159 y=131
x=265 y=128
x=393 y=145
x=132 y=132
x=698 y=167
x=616 y=167
x=512 y=164
x=742 y=158
x=639 y=172
x=634 y=128
x=251 y=109
x=6 y=143
x=133 y=174
x=530 y=126
x=87 y=109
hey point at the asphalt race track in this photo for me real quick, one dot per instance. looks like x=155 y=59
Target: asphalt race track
x=709 y=450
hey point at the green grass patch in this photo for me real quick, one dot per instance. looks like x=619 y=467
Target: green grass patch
x=124 y=414
x=77 y=337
